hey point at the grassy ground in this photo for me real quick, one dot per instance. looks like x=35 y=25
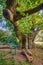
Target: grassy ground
x=11 y=60
x=37 y=55
x=39 y=46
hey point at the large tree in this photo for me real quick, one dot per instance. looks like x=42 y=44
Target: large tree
x=16 y=10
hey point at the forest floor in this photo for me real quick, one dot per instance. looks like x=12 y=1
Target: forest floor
x=37 y=56
x=9 y=58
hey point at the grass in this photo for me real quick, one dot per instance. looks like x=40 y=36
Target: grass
x=11 y=60
x=37 y=53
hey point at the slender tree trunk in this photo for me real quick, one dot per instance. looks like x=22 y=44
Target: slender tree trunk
x=31 y=38
x=31 y=41
x=23 y=42
x=26 y=42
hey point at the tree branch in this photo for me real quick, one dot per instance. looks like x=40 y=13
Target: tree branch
x=19 y=15
x=36 y=9
x=31 y=11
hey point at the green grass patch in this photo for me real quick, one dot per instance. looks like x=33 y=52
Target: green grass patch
x=39 y=46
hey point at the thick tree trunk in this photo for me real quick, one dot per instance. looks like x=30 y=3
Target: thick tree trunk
x=18 y=35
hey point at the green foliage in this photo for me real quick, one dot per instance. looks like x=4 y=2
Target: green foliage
x=27 y=4
x=8 y=37
x=33 y=21
x=25 y=25
x=2 y=2
x=9 y=25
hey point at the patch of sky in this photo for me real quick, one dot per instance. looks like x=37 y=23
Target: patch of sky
x=41 y=12
x=3 y=25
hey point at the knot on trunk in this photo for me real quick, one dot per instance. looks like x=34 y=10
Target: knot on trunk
x=8 y=14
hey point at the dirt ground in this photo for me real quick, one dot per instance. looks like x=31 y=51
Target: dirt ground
x=37 y=56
